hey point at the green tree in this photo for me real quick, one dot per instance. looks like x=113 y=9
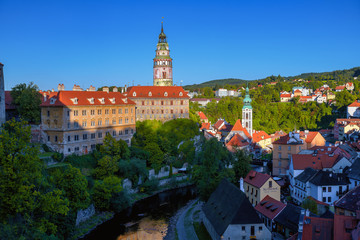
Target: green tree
x=156 y=155
x=107 y=166
x=118 y=149
x=241 y=164
x=27 y=100
x=309 y=204
x=133 y=170
x=105 y=191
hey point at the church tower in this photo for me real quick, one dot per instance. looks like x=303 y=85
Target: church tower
x=162 y=62
x=247 y=113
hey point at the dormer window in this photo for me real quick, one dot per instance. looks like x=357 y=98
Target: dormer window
x=165 y=94
x=124 y=100
x=112 y=100
x=74 y=100
x=102 y=100
x=91 y=100
x=150 y=94
x=134 y=94
x=52 y=100
x=180 y=94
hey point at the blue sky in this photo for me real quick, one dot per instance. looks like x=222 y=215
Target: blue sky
x=113 y=42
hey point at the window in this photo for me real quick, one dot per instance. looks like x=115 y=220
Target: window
x=106 y=122
x=76 y=138
x=279 y=148
x=99 y=112
x=114 y=111
x=120 y=132
x=84 y=136
x=126 y=120
x=48 y=138
x=106 y=111
x=76 y=124
x=132 y=131
x=142 y=102
x=252 y=231
x=243 y=228
x=120 y=120
x=114 y=133
x=68 y=114
x=329 y=199
x=329 y=189
x=260 y=228
x=289 y=156
x=69 y=138
x=76 y=113
x=93 y=146
x=99 y=122
x=92 y=123
x=84 y=123
x=84 y=112
x=56 y=139
x=289 y=148
x=181 y=102
x=299 y=148
x=126 y=131
x=92 y=136
x=126 y=110
x=324 y=199
x=270 y=184
x=171 y=102
x=92 y=112
x=99 y=135
x=69 y=149
x=76 y=149
x=279 y=155
x=120 y=111
x=279 y=163
x=324 y=189
x=48 y=113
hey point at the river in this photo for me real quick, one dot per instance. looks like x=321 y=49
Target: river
x=147 y=219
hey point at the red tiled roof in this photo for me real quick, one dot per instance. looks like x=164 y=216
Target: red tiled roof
x=226 y=128
x=205 y=126
x=350 y=84
x=257 y=136
x=317 y=201
x=305 y=97
x=237 y=141
x=317 y=228
x=238 y=128
x=202 y=115
x=218 y=124
x=340 y=88
x=63 y=98
x=343 y=225
x=156 y=92
x=256 y=179
x=285 y=95
x=309 y=137
x=355 y=104
x=318 y=161
x=270 y=207
x=297 y=91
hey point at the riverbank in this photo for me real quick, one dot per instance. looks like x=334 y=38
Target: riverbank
x=162 y=204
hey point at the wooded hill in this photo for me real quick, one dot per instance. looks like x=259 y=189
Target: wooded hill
x=338 y=75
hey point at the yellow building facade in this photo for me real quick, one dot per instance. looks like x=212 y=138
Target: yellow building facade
x=75 y=121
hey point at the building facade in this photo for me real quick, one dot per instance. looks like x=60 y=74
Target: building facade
x=162 y=62
x=247 y=113
x=75 y=121
x=2 y=95
x=159 y=102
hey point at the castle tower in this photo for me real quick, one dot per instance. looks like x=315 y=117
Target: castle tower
x=2 y=96
x=162 y=62
x=246 y=120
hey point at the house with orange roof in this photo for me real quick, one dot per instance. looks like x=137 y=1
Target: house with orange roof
x=345 y=125
x=237 y=142
x=205 y=126
x=349 y=86
x=159 y=102
x=258 y=185
x=285 y=97
x=339 y=88
x=297 y=93
x=238 y=129
x=353 y=110
x=203 y=117
x=75 y=121
x=261 y=138
x=293 y=143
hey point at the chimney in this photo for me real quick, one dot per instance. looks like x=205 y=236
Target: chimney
x=52 y=90
x=106 y=89
x=241 y=184
x=115 y=89
x=91 y=89
x=125 y=90
x=77 y=88
x=61 y=87
x=44 y=97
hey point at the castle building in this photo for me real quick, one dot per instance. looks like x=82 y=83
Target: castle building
x=159 y=102
x=162 y=62
x=2 y=95
x=75 y=121
x=247 y=113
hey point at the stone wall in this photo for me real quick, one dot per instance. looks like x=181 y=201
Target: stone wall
x=84 y=214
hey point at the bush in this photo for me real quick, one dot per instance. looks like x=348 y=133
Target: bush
x=150 y=186
x=46 y=148
x=58 y=156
